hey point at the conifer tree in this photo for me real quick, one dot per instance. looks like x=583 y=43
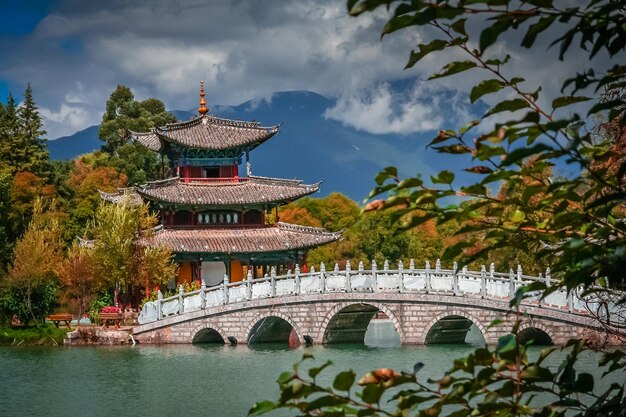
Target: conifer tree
x=22 y=146
x=9 y=130
x=33 y=152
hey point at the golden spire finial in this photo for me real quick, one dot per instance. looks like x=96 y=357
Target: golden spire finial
x=203 y=109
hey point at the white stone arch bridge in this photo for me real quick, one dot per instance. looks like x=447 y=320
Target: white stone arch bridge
x=430 y=305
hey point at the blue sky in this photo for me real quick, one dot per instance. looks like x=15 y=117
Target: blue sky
x=75 y=52
x=19 y=18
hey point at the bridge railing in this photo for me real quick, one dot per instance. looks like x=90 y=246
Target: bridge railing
x=486 y=283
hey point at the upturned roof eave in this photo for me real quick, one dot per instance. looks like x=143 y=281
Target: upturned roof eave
x=305 y=190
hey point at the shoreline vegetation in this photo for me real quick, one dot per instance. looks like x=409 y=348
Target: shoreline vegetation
x=44 y=335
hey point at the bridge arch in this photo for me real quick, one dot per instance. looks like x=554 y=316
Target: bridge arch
x=332 y=314
x=207 y=328
x=541 y=334
x=278 y=325
x=433 y=324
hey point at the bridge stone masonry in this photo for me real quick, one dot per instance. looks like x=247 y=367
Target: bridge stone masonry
x=424 y=305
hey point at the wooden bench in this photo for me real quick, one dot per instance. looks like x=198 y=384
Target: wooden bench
x=61 y=317
x=111 y=318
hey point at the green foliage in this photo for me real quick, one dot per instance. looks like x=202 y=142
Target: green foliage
x=6 y=247
x=117 y=259
x=124 y=114
x=48 y=335
x=22 y=146
x=27 y=303
x=571 y=217
x=32 y=279
x=491 y=381
x=102 y=299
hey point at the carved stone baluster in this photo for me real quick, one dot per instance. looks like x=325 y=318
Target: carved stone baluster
x=225 y=289
x=322 y=277
x=386 y=266
x=374 y=275
x=464 y=276
x=159 y=305
x=427 y=277
x=297 y=272
x=181 y=303
x=249 y=285
x=455 y=279
x=483 y=281
x=438 y=266
x=570 y=301
x=511 y=283
x=411 y=266
x=348 y=270
x=360 y=273
x=273 y=282
x=203 y=295
x=519 y=276
x=400 y=276
x=540 y=278
x=548 y=277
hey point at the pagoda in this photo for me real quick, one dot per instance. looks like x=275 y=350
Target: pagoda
x=214 y=221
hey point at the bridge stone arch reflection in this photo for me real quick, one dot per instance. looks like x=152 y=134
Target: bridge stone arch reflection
x=271 y=327
x=452 y=327
x=207 y=333
x=347 y=322
x=540 y=334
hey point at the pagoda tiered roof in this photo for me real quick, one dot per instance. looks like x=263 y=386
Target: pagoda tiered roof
x=226 y=191
x=123 y=195
x=207 y=132
x=253 y=190
x=277 y=238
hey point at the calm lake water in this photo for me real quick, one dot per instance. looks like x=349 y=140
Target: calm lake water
x=188 y=380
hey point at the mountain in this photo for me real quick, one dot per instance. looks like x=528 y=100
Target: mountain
x=68 y=147
x=309 y=146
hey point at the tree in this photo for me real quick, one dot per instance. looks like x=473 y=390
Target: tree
x=117 y=259
x=90 y=174
x=77 y=277
x=579 y=219
x=26 y=188
x=122 y=115
x=32 y=151
x=575 y=219
x=9 y=131
x=6 y=247
x=22 y=143
x=335 y=211
x=34 y=271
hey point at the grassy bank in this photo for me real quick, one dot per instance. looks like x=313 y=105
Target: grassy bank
x=45 y=335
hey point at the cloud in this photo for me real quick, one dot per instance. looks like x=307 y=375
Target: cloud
x=381 y=110
x=243 y=50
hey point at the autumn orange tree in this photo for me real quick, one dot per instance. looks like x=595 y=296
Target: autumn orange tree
x=578 y=219
x=29 y=292
x=77 y=277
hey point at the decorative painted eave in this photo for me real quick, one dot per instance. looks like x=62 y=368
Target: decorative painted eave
x=279 y=238
x=213 y=133
x=148 y=139
x=123 y=195
x=226 y=192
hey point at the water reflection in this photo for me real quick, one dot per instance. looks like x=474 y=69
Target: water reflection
x=204 y=380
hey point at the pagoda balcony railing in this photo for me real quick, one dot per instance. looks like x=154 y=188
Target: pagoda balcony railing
x=215 y=180
x=218 y=226
x=483 y=284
